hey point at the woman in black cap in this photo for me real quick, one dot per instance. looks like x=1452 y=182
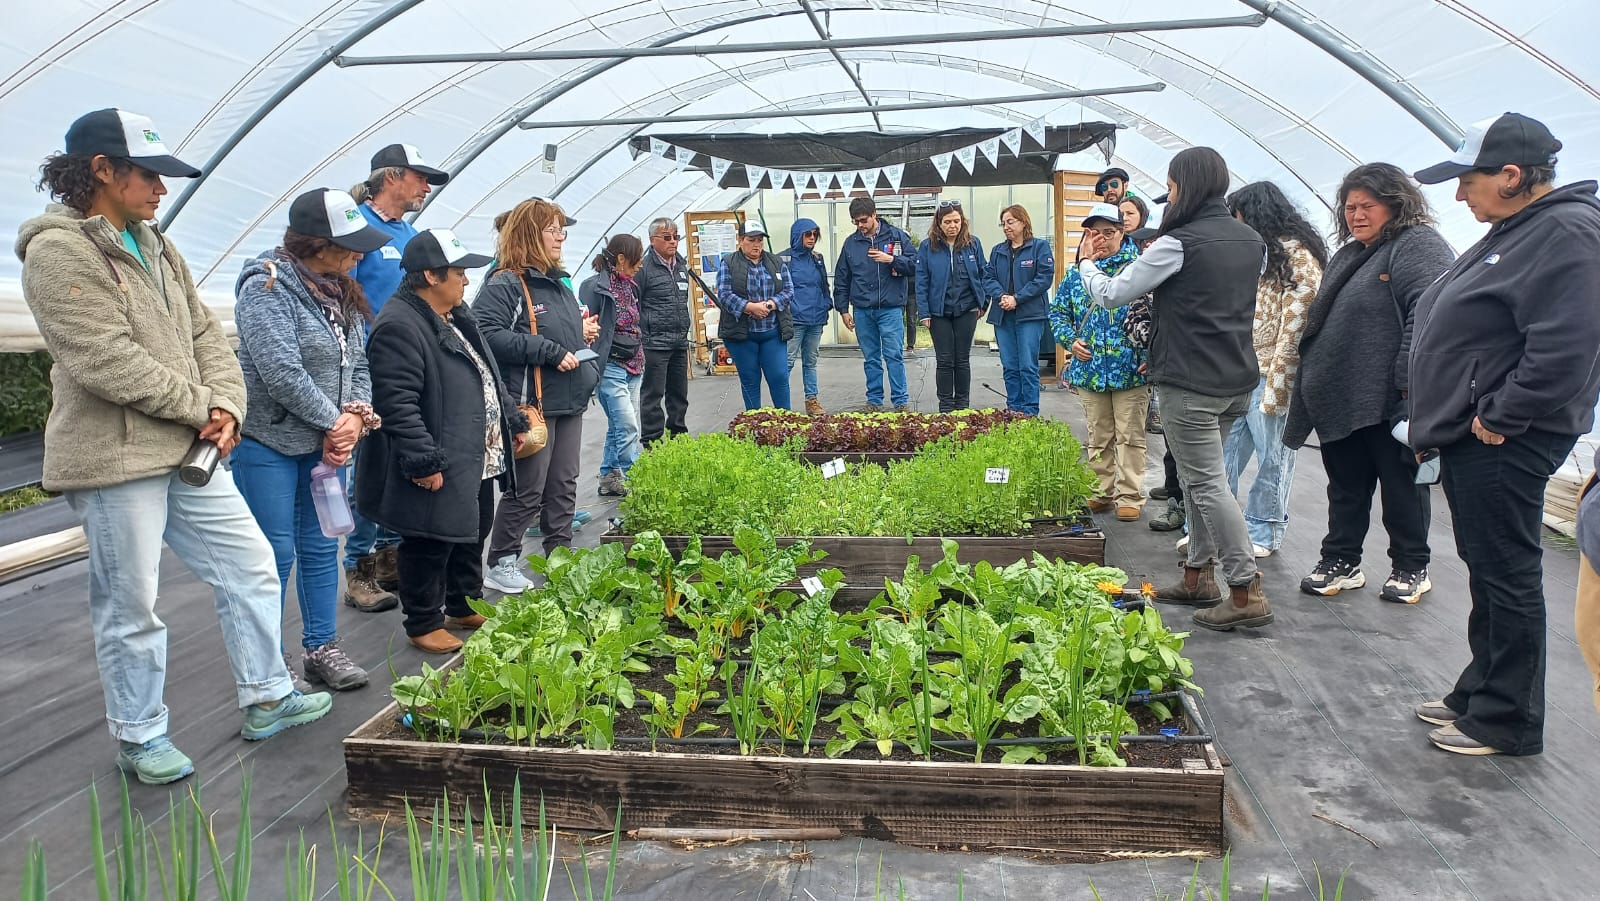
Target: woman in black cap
x=449 y=434
x=302 y=324
x=1505 y=369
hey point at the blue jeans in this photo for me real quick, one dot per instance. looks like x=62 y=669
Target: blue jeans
x=1266 y=511
x=1019 y=362
x=278 y=490
x=763 y=353
x=367 y=536
x=806 y=344
x=882 y=333
x=212 y=532
x=619 y=397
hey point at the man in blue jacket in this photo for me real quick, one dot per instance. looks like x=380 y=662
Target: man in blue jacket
x=811 y=305
x=875 y=266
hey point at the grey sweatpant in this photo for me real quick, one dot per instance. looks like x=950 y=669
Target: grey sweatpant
x=547 y=487
x=1196 y=425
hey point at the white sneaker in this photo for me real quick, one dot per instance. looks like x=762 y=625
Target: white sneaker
x=506 y=577
x=1183 y=544
x=1261 y=550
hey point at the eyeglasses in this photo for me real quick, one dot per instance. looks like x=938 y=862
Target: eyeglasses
x=1106 y=232
x=861 y=220
x=556 y=230
x=949 y=205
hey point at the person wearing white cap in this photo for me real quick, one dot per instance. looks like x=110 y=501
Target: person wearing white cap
x=398 y=184
x=143 y=370
x=302 y=324
x=449 y=434
x=755 y=293
x=1505 y=370
x=1108 y=371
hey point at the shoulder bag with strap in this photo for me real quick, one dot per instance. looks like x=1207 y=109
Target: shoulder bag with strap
x=538 y=434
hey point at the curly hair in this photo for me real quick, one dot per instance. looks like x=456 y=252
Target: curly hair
x=520 y=244
x=303 y=247
x=1265 y=208
x=1389 y=185
x=70 y=179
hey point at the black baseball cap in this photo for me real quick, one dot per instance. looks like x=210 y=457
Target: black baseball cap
x=407 y=157
x=1162 y=198
x=566 y=220
x=332 y=214
x=1510 y=140
x=1113 y=172
x=122 y=135
x=439 y=248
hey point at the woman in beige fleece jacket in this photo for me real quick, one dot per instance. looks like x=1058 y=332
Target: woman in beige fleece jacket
x=141 y=369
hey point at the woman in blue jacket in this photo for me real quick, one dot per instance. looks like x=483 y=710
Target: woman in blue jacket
x=954 y=285
x=1023 y=267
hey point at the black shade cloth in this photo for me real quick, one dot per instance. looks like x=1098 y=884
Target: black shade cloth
x=851 y=150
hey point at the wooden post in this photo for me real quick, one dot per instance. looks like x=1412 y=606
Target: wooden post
x=1071 y=198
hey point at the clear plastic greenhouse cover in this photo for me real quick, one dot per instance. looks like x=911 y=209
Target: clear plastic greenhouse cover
x=247 y=90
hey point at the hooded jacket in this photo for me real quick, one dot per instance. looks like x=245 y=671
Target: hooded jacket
x=934 y=265
x=1511 y=333
x=139 y=361
x=812 y=299
x=1025 y=273
x=501 y=310
x=298 y=373
x=866 y=285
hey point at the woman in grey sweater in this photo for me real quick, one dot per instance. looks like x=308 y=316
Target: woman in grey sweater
x=1353 y=379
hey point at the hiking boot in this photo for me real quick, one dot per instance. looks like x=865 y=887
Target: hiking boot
x=261 y=721
x=505 y=577
x=1449 y=738
x=1128 y=513
x=1171 y=519
x=155 y=762
x=1247 y=607
x=611 y=485
x=437 y=642
x=1099 y=504
x=814 y=407
x=1405 y=586
x=467 y=623
x=902 y=408
x=299 y=681
x=329 y=666
x=1152 y=422
x=387 y=568
x=362 y=591
x=1333 y=576
x=1160 y=493
x=1197 y=588
x=1435 y=712
x=873 y=408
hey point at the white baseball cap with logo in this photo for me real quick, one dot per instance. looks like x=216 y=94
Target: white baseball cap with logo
x=119 y=134
x=1103 y=211
x=439 y=248
x=332 y=214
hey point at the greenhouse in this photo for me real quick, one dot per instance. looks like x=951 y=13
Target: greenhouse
x=846 y=371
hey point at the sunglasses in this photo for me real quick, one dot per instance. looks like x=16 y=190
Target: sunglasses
x=949 y=205
x=669 y=237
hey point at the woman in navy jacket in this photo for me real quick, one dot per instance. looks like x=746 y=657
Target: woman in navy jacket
x=1023 y=268
x=954 y=285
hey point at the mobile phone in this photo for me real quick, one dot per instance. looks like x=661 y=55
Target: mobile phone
x=585 y=355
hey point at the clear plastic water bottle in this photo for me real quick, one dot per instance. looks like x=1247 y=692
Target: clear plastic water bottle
x=333 y=507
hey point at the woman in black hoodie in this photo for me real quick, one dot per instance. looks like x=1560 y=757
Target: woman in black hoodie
x=1505 y=369
x=542 y=367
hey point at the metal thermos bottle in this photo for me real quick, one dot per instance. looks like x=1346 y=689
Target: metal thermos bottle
x=199 y=463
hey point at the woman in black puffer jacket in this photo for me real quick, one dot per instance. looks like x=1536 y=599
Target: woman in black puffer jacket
x=541 y=367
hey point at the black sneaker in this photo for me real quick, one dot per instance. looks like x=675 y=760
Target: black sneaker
x=1333 y=576
x=1405 y=586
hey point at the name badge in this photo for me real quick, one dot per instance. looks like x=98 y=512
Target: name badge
x=683 y=287
x=389 y=252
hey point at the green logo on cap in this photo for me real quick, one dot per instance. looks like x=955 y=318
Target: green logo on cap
x=150 y=136
x=456 y=242
x=352 y=215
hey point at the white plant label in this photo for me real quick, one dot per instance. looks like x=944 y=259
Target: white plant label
x=997 y=475
x=834 y=467
x=812 y=585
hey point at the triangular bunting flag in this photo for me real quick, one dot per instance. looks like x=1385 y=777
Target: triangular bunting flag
x=1035 y=130
x=895 y=173
x=684 y=155
x=941 y=161
x=967 y=157
x=1013 y=141
x=756 y=173
x=802 y=182
x=872 y=180
x=991 y=151
x=719 y=168
x=658 y=148
x=781 y=178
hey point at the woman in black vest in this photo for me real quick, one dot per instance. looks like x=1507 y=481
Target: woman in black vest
x=1203 y=267
x=754 y=291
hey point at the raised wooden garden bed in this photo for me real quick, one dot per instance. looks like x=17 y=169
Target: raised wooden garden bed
x=867 y=561
x=1031 y=806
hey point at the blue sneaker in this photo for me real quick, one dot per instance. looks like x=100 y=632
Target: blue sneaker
x=155 y=762
x=295 y=710
x=578 y=519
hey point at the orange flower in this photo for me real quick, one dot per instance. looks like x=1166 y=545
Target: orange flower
x=1147 y=589
x=1109 y=587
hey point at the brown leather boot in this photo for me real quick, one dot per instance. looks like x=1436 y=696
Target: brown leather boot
x=1197 y=588
x=814 y=407
x=386 y=567
x=469 y=622
x=437 y=642
x=1249 y=607
x=362 y=591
